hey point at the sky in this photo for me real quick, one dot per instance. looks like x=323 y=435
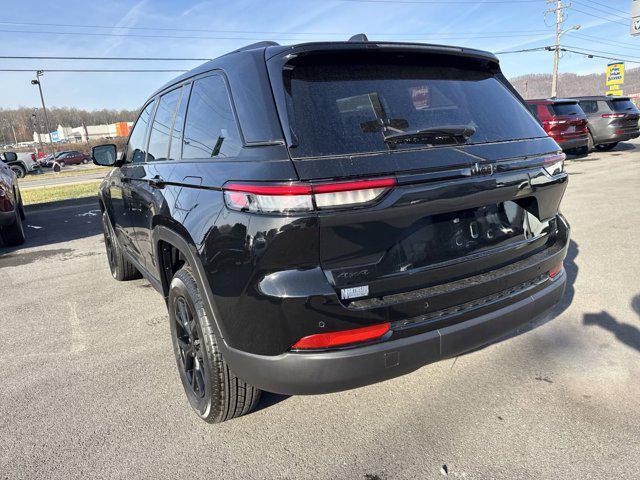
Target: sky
x=99 y=28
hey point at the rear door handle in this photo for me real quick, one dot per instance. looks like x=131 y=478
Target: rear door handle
x=125 y=179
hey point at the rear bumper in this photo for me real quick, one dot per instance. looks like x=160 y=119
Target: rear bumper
x=315 y=373
x=573 y=143
x=613 y=137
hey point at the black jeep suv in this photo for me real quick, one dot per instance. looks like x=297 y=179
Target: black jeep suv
x=325 y=216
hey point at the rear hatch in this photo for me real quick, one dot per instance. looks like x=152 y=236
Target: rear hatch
x=467 y=158
x=626 y=115
x=568 y=121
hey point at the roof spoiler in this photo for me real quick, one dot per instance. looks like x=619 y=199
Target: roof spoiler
x=266 y=43
x=359 y=37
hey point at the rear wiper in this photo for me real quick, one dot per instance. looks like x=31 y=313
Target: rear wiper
x=436 y=136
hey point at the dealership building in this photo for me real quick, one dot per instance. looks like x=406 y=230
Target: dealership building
x=85 y=132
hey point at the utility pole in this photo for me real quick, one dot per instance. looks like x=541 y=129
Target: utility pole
x=37 y=81
x=558 y=9
x=15 y=139
x=34 y=121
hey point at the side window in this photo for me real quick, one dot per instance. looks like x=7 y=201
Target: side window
x=211 y=129
x=161 y=127
x=136 y=149
x=589 y=106
x=178 y=126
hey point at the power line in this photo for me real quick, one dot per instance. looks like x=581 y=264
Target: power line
x=603 y=11
x=446 y=2
x=248 y=32
x=525 y=50
x=600 y=17
x=468 y=35
x=600 y=51
x=608 y=6
x=90 y=70
x=49 y=57
x=631 y=46
x=593 y=55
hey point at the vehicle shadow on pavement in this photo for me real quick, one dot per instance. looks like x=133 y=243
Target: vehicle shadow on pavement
x=58 y=223
x=268 y=399
x=625 y=333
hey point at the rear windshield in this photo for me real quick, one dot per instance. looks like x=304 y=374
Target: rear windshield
x=560 y=109
x=623 y=105
x=340 y=107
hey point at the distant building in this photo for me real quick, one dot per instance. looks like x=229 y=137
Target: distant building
x=85 y=133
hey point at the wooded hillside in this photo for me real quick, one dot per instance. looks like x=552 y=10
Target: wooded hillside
x=538 y=85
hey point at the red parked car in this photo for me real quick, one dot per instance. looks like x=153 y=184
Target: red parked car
x=11 y=209
x=71 y=157
x=564 y=121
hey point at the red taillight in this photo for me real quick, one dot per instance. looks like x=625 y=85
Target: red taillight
x=555 y=271
x=343 y=337
x=279 y=190
x=613 y=115
x=300 y=197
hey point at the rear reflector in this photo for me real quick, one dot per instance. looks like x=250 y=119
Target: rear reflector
x=343 y=337
x=555 y=271
x=301 y=197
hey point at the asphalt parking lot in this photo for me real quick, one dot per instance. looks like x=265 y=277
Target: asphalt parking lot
x=90 y=388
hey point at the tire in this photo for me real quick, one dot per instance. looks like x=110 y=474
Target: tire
x=18 y=195
x=85 y=161
x=13 y=234
x=212 y=389
x=19 y=170
x=606 y=147
x=590 y=144
x=582 y=151
x=121 y=268
x=62 y=163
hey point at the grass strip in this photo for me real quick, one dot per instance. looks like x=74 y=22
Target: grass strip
x=54 y=193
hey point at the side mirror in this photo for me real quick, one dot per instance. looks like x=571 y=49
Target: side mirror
x=9 y=157
x=104 y=155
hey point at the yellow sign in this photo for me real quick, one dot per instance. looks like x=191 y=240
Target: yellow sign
x=615 y=74
x=614 y=93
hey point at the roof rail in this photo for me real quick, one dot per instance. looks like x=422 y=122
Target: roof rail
x=359 y=37
x=266 y=43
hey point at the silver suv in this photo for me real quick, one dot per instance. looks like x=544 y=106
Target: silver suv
x=611 y=120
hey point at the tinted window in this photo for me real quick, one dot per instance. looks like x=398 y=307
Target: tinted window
x=623 y=105
x=136 y=150
x=559 y=109
x=589 y=106
x=603 y=106
x=178 y=126
x=343 y=107
x=210 y=129
x=162 y=123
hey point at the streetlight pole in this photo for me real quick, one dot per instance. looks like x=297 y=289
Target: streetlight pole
x=559 y=11
x=34 y=123
x=37 y=81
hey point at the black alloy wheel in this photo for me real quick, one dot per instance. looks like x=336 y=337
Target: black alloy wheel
x=109 y=245
x=191 y=364
x=214 y=392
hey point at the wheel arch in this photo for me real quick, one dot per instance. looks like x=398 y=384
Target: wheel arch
x=173 y=248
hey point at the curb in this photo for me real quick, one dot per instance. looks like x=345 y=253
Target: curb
x=72 y=202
